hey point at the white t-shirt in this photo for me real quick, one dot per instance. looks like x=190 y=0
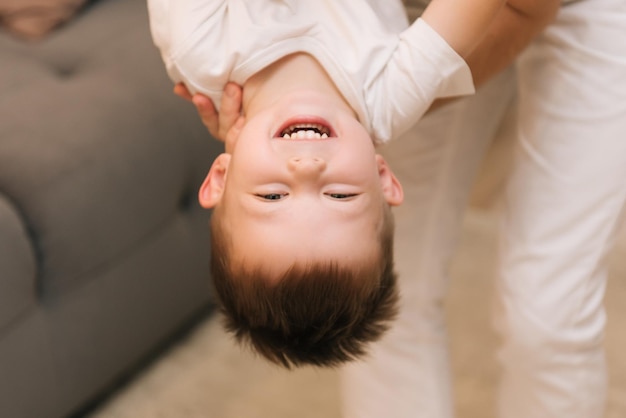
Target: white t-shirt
x=388 y=72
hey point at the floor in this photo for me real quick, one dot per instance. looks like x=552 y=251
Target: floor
x=207 y=376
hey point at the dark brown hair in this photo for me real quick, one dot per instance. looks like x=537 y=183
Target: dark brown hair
x=322 y=313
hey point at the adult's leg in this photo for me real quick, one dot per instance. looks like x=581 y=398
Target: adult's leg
x=406 y=373
x=563 y=206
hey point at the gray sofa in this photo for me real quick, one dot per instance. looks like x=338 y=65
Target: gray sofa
x=103 y=248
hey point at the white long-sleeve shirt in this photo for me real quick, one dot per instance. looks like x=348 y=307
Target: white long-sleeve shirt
x=387 y=71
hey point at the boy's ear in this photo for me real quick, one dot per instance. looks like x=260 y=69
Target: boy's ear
x=392 y=189
x=212 y=188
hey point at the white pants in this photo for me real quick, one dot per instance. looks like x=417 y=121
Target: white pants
x=563 y=205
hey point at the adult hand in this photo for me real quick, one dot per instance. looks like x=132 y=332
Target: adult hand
x=223 y=124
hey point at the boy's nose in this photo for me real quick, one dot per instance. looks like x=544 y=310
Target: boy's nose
x=306 y=166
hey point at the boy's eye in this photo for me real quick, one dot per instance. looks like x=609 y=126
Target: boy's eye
x=271 y=196
x=341 y=195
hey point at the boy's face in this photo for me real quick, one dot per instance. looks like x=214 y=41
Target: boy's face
x=301 y=181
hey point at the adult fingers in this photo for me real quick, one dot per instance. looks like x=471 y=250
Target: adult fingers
x=203 y=105
x=208 y=114
x=181 y=91
x=230 y=109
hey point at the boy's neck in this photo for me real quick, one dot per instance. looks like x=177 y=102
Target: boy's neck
x=294 y=72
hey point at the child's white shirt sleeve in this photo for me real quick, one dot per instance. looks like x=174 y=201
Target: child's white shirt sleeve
x=422 y=68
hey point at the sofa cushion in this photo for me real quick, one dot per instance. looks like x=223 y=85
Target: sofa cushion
x=110 y=151
x=17 y=265
x=36 y=18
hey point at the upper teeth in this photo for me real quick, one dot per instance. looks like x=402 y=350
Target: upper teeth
x=305 y=131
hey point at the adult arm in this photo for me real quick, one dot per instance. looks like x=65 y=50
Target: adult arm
x=514 y=28
x=454 y=46
x=461 y=23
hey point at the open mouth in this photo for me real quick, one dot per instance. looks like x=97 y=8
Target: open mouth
x=305 y=129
